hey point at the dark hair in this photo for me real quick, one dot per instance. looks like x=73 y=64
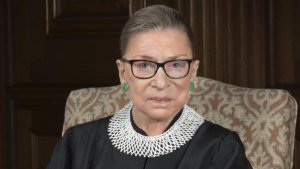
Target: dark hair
x=153 y=18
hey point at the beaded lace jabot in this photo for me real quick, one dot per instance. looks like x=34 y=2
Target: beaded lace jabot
x=127 y=140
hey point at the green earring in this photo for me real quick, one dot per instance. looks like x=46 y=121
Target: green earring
x=124 y=87
x=192 y=86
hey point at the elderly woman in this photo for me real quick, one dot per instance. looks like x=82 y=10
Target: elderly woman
x=156 y=130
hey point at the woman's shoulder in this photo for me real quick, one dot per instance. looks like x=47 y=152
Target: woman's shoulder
x=94 y=127
x=212 y=130
x=215 y=135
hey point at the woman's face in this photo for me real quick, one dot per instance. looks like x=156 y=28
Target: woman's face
x=158 y=98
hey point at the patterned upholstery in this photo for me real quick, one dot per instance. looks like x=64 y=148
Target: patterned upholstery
x=265 y=119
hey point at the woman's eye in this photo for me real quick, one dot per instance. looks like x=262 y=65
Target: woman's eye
x=177 y=65
x=144 y=65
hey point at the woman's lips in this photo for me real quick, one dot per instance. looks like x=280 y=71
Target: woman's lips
x=160 y=99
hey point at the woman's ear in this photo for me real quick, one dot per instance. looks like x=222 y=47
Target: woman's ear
x=121 y=69
x=194 y=68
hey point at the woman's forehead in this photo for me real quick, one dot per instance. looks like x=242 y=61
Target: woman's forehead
x=167 y=43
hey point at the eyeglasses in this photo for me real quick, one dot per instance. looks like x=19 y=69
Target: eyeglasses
x=145 y=69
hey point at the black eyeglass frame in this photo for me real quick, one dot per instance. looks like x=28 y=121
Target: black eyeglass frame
x=158 y=66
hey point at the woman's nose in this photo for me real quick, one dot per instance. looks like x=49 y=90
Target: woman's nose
x=160 y=80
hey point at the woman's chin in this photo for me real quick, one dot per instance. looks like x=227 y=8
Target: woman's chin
x=159 y=110
x=161 y=114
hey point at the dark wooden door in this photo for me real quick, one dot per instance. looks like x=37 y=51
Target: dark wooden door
x=49 y=47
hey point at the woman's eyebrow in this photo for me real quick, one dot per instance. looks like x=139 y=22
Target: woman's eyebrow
x=176 y=56
x=147 y=57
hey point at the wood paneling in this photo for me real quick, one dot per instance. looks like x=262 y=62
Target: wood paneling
x=37 y=123
x=234 y=34
x=4 y=53
x=86 y=16
x=171 y=3
x=48 y=48
x=287 y=50
x=296 y=164
x=284 y=32
x=196 y=21
x=42 y=145
x=63 y=58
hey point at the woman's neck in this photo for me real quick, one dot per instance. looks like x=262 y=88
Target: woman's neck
x=153 y=127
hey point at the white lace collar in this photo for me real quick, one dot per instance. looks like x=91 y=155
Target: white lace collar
x=127 y=140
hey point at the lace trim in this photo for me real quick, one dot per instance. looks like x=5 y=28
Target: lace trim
x=127 y=140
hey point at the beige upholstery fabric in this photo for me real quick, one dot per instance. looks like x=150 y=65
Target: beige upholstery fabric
x=265 y=119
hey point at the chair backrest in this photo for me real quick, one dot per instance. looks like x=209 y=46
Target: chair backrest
x=265 y=119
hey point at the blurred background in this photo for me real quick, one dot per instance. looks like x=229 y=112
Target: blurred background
x=50 y=47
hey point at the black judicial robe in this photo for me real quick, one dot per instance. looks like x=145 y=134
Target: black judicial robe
x=87 y=146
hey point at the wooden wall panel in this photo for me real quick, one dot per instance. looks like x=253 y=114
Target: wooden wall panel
x=287 y=52
x=42 y=145
x=4 y=53
x=67 y=55
x=171 y=3
x=36 y=133
x=286 y=65
x=86 y=16
x=44 y=133
x=2 y=97
x=284 y=32
x=233 y=34
x=196 y=21
x=209 y=48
